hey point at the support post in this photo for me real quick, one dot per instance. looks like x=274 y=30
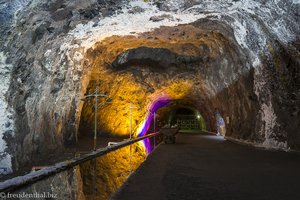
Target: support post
x=130 y=154
x=96 y=95
x=96 y=111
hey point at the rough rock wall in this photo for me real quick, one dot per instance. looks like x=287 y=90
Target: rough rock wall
x=7 y=18
x=40 y=68
x=46 y=49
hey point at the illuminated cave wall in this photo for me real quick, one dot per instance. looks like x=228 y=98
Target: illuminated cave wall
x=185 y=64
x=229 y=55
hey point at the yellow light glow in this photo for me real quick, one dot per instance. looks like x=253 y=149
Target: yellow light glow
x=178 y=90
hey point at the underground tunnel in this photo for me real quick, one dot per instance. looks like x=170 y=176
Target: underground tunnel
x=156 y=64
x=159 y=70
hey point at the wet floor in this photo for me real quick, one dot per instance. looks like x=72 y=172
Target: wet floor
x=208 y=167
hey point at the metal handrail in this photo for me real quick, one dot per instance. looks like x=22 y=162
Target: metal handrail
x=33 y=177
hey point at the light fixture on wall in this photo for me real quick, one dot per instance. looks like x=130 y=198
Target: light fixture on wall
x=97 y=95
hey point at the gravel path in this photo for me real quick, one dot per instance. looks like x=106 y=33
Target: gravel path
x=209 y=167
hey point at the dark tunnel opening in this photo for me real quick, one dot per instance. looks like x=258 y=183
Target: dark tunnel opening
x=166 y=113
x=185 y=118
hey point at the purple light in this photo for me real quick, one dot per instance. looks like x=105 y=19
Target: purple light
x=155 y=105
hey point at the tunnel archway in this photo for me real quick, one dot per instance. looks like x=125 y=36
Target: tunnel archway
x=185 y=117
x=184 y=63
x=233 y=57
x=163 y=70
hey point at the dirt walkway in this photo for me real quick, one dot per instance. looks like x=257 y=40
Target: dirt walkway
x=208 y=167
